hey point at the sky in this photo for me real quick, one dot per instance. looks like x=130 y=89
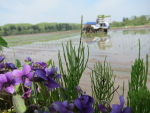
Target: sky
x=69 y=11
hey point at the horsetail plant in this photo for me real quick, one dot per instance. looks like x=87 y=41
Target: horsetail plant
x=138 y=95
x=102 y=83
x=75 y=64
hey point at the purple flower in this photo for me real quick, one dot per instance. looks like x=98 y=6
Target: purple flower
x=1 y=65
x=119 y=108
x=7 y=81
x=52 y=72
x=68 y=106
x=28 y=59
x=24 y=75
x=84 y=104
x=1 y=58
x=51 y=83
x=58 y=107
x=27 y=93
x=41 y=73
x=102 y=108
x=10 y=66
x=38 y=65
x=48 y=81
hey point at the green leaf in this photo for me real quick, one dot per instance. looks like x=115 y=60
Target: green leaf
x=18 y=103
x=49 y=62
x=17 y=63
x=3 y=42
x=16 y=88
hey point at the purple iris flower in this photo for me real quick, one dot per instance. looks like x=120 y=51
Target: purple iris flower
x=58 y=107
x=38 y=65
x=119 y=108
x=84 y=104
x=28 y=59
x=68 y=106
x=27 y=93
x=2 y=70
x=51 y=83
x=7 y=81
x=115 y=107
x=1 y=58
x=48 y=81
x=102 y=108
x=10 y=66
x=1 y=65
x=52 y=72
x=24 y=76
x=41 y=73
x=4 y=67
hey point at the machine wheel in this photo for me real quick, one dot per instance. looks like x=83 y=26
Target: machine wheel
x=91 y=30
x=105 y=30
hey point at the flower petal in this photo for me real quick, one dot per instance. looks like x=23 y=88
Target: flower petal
x=27 y=82
x=78 y=103
x=58 y=76
x=26 y=69
x=1 y=65
x=1 y=58
x=85 y=99
x=65 y=103
x=18 y=80
x=49 y=72
x=52 y=109
x=121 y=100
x=41 y=73
x=29 y=59
x=60 y=107
x=102 y=108
x=17 y=73
x=11 y=66
x=88 y=100
x=9 y=76
x=10 y=89
x=55 y=69
x=3 y=78
x=52 y=83
x=70 y=106
x=127 y=110
x=88 y=109
x=116 y=108
x=30 y=75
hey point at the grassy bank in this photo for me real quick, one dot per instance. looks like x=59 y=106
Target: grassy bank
x=40 y=37
x=132 y=27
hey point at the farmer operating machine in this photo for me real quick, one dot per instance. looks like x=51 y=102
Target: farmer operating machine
x=101 y=25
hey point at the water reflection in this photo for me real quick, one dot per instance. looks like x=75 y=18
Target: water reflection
x=102 y=41
x=135 y=32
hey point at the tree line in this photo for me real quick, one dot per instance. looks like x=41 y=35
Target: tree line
x=133 y=21
x=23 y=28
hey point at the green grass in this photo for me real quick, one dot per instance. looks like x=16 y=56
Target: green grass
x=28 y=39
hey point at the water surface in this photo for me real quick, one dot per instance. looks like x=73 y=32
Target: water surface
x=120 y=46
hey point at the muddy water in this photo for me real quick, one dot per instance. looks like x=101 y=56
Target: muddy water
x=120 y=47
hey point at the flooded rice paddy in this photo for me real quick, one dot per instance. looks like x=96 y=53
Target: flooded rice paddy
x=120 y=46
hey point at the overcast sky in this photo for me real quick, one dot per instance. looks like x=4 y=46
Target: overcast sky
x=69 y=11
